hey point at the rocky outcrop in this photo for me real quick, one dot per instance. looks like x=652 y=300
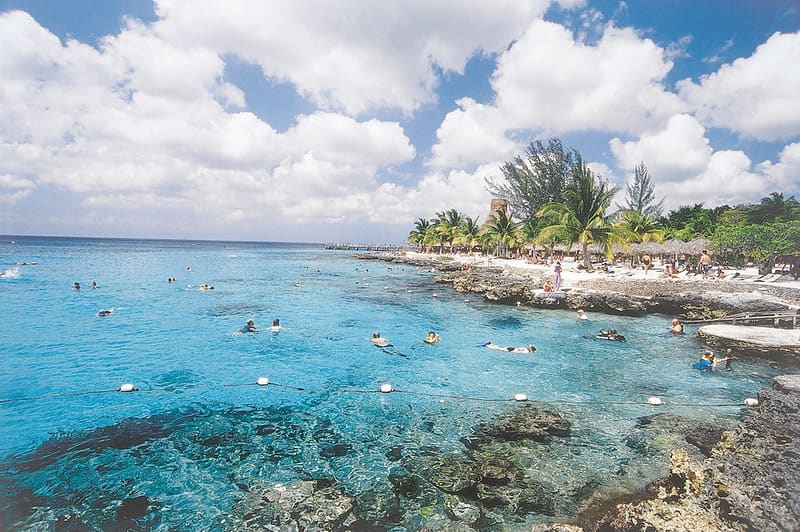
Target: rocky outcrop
x=762 y=341
x=749 y=483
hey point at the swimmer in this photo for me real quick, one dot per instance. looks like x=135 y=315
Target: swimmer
x=94 y=284
x=105 y=312
x=529 y=349
x=379 y=340
x=205 y=286
x=276 y=325
x=676 y=327
x=582 y=315
x=610 y=334
x=708 y=362
x=76 y=286
x=249 y=327
x=432 y=338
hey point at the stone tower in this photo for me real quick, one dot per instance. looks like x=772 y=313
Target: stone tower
x=495 y=205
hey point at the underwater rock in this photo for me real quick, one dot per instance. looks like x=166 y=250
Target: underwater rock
x=301 y=505
x=525 y=423
x=133 y=508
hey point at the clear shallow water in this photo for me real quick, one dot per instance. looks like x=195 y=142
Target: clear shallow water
x=199 y=434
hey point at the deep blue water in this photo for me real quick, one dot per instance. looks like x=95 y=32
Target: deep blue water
x=199 y=434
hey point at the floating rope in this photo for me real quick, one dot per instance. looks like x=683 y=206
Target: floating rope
x=387 y=388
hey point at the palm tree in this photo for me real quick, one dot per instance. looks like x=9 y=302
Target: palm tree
x=582 y=217
x=641 y=226
x=469 y=233
x=420 y=235
x=447 y=226
x=775 y=208
x=501 y=231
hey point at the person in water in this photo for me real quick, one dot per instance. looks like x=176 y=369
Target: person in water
x=676 y=327
x=708 y=362
x=76 y=285
x=582 y=315
x=276 y=325
x=611 y=334
x=379 y=340
x=249 y=327
x=94 y=284
x=529 y=349
x=432 y=338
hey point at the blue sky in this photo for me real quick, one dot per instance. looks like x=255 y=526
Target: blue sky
x=348 y=120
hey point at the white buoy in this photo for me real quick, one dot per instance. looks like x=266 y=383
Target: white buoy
x=386 y=388
x=520 y=397
x=127 y=387
x=751 y=401
x=262 y=381
x=653 y=400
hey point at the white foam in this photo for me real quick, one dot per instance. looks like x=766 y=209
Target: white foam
x=11 y=273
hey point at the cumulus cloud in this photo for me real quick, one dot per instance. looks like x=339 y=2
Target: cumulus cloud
x=550 y=82
x=784 y=173
x=755 y=96
x=350 y=55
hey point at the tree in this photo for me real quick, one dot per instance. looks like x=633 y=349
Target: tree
x=764 y=243
x=421 y=234
x=640 y=196
x=447 y=226
x=501 y=232
x=774 y=208
x=582 y=217
x=641 y=227
x=536 y=178
x=469 y=233
x=688 y=222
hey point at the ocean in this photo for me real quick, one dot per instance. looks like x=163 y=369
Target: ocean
x=199 y=440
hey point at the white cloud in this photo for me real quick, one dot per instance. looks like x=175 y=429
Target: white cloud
x=755 y=96
x=550 y=82
x=350 y=55
x=784 y=174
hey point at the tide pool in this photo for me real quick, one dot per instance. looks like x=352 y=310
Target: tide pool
x=199 y=436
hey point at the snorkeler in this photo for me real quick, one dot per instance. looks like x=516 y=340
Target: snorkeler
x=610 y=334
x=249 y=327
x=529 y=349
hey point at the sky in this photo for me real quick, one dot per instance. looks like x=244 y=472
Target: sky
x=348 y=120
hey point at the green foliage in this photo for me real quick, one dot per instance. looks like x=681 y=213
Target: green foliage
x=774 y=208
x=688 y=222
x=640 y=196
x=761 y=242
x=582 y=217
x=535 y=178
x=501 y=232
x=641 y=226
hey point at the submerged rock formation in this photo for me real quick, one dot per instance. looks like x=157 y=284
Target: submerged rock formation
x=750 y=481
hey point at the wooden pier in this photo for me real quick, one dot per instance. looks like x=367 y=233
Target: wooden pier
x=371 y=247
x=776 y=318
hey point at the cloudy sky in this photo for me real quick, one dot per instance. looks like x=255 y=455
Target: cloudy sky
x=346 y=120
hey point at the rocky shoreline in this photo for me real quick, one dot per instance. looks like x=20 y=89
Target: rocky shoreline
x=748 y=478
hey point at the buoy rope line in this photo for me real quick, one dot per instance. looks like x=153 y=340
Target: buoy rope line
x=388 y=388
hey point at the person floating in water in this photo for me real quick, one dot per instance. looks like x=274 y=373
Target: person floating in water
x=379 y=340
x=76 y=285
x=676 y=327
x=529 y=349
x=610 y=334
x=105 y=312
x=276 y=325
x=708 y=362
x=206 y=286
x=582 y=315
x=94 y=284
x=432 y=338
x=249 y=327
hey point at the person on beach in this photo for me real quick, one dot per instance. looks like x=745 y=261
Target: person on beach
x=557 y=277
x=676 y=327
x=276 y=326
x=249 y=327
x=529 y=349
x=704 y=264
x=432 y=338
x=647 y=263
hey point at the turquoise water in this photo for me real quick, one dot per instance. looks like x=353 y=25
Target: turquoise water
x=199 y=434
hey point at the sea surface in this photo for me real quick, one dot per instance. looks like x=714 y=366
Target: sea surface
x=199 y=436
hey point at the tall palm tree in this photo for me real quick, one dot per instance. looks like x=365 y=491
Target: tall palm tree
x=775 y=208
x=420 y=235
x=448 y=224
x=642 y=227
x=469 y=233
x=582 y=217
x=501 y=231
